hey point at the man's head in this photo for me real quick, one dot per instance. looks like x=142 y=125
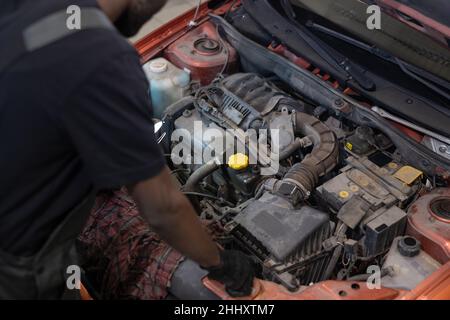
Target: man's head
x=130 y=15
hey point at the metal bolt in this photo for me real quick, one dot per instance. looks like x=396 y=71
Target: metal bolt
x=338 y=102
x=443 y=149
x=425 y=163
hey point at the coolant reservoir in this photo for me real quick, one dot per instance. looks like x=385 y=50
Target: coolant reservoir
x=409 y=264
x=167 y=84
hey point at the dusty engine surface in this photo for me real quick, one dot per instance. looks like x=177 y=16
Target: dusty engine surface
x=369 y=198
x=271 y=222
x=328 y=200
x=287 y=240
x=241 y=101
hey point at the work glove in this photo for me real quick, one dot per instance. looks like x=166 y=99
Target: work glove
x=235 y=272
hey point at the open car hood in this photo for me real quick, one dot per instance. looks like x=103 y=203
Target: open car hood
x=414 y=33
x=430 y=16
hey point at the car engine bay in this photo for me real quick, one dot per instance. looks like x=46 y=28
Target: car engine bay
x=336 y=189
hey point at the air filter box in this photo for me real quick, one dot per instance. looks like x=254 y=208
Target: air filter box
x=281 y=230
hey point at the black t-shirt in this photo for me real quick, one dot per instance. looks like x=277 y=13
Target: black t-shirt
x=74 y=115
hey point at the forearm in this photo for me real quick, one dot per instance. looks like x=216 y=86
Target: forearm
x=170 y=214
x=183 y=231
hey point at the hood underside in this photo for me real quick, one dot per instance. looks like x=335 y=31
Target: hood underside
x=405 y=39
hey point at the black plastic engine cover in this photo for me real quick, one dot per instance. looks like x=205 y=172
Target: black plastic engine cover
x=279 y=228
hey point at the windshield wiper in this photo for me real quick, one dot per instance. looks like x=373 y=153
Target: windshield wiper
x=424 y=77
x=290 y=32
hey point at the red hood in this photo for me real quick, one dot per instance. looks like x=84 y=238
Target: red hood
x=430 y=17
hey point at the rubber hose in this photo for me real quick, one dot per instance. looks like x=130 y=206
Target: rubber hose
x=201 y=173
x=342 y=229
x=289 y=150
x=176 y=109
x=322 y=159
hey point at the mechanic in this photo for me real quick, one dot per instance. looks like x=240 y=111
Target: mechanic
x=75 y=120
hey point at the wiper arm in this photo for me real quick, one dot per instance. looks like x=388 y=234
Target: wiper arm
x=412 y=71
x=291 y=33
x=356 y=43
x=327 y=53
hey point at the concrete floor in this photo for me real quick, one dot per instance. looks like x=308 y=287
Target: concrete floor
x=172 y=9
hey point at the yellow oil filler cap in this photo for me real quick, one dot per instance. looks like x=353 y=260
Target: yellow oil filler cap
x=238 y=161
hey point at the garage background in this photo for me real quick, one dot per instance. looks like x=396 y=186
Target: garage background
x=172 y=9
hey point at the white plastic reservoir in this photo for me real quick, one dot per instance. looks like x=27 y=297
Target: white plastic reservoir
x=408 y=263
x=167 y=84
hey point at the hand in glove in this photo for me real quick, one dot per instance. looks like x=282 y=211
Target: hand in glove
x=235 y=272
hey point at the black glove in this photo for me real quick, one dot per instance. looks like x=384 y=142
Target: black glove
x=235 y=272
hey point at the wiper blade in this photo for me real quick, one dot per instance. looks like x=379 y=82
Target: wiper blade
x=290 y=31
x=333 y=57
x=416 y=73
x=356 y=43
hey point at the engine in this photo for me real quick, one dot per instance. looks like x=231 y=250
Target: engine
x=259 y=208
x=329 y=199
x=296 y=167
